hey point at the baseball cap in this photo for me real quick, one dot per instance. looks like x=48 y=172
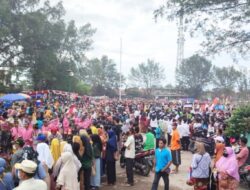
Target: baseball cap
x=41 y=137
x=27 y=166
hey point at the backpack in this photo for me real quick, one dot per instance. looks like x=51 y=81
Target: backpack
x=29 y=153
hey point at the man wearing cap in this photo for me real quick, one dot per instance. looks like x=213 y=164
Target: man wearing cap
x=26 y=172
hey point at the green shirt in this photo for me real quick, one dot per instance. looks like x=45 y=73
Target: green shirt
x=150 y=141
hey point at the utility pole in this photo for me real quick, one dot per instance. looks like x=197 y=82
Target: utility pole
x=120 y=83
x=180 y=41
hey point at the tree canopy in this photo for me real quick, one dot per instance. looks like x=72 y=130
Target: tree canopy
x=102 y=75
x=222 y=22
x=36 y=40
x=147 y=75
x=225 y=79
x=193 y=75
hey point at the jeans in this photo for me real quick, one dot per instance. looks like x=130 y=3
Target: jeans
x=95 y=181
x=129 y=170
x=157 y=178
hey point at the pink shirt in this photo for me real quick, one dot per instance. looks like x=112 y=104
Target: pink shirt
x=242 y=156
x=16 y=132
x=27 y=134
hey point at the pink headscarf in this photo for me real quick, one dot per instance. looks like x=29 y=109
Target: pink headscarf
x=229 y=164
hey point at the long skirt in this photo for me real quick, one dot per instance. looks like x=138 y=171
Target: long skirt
x=111 y=172
x=228 y=184
x=95 y=181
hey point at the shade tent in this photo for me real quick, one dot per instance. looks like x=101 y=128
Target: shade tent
x=14 y=97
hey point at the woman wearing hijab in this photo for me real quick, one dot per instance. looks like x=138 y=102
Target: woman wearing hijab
x=219 y=149
x=55 y=149
x=78 y=150
x=104 y=139
x=110 y=160
x=86 y=160
x=67 y=178
x=228 y=170
x=6 y=179
x=200 y=167
x=97 y=150
x=44 y=156
x=59 y=164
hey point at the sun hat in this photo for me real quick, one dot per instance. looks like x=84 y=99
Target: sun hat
x=27 y=166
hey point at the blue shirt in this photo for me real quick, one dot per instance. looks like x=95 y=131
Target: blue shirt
x=163 y=157
x=7 y=183
x=41 y=173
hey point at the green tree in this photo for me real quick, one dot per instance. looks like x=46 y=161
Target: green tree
x=239 y=123
x=225 y=79
x=207 y=16
x=147 y=75
x=193 y=75
x=35 y=38
x=133 y=92
x=102 y=75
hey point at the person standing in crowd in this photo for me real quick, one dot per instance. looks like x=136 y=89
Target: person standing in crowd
x=78 y=150
x=87 y=161
x=185 y=135
x=162 y=163
x=97 y=150
x=67 y=178
x=149 y=141
x=18 y=148
x=176 y=148
x=200 y=167
x=44 y=156
x=26 y=172
x=219 y=150
x=129 y=157
x=57 y=167
x=110 y=158
x=244 y=152
x=6 y=179
x=55 y=149
x=138 y=140
x=228 y=170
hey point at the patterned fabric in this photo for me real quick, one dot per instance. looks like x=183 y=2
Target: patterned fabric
x=228 y=184
x=201 y=183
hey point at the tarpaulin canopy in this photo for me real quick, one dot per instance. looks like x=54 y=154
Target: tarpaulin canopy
x=14 y=97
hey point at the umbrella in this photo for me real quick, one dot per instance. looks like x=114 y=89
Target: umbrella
x=14 y=97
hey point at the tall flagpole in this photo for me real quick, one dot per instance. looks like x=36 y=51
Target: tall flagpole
x=120 y=85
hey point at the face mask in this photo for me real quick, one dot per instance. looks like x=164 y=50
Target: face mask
x=225 y=154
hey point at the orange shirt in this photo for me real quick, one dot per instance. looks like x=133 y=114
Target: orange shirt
x=175 y=140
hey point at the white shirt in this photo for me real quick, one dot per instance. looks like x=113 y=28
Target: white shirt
x=32 y=184
x=185 y=130
x=130 y=147
x=154 y=123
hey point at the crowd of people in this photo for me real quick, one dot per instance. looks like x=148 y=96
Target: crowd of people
x=69 y=144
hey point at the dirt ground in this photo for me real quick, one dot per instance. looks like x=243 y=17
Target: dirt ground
x=177 y=181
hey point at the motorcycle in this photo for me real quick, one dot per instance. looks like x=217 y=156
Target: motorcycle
x=143 y=162
x=245 y=174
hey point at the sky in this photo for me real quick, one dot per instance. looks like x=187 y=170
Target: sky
x=142 y=37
